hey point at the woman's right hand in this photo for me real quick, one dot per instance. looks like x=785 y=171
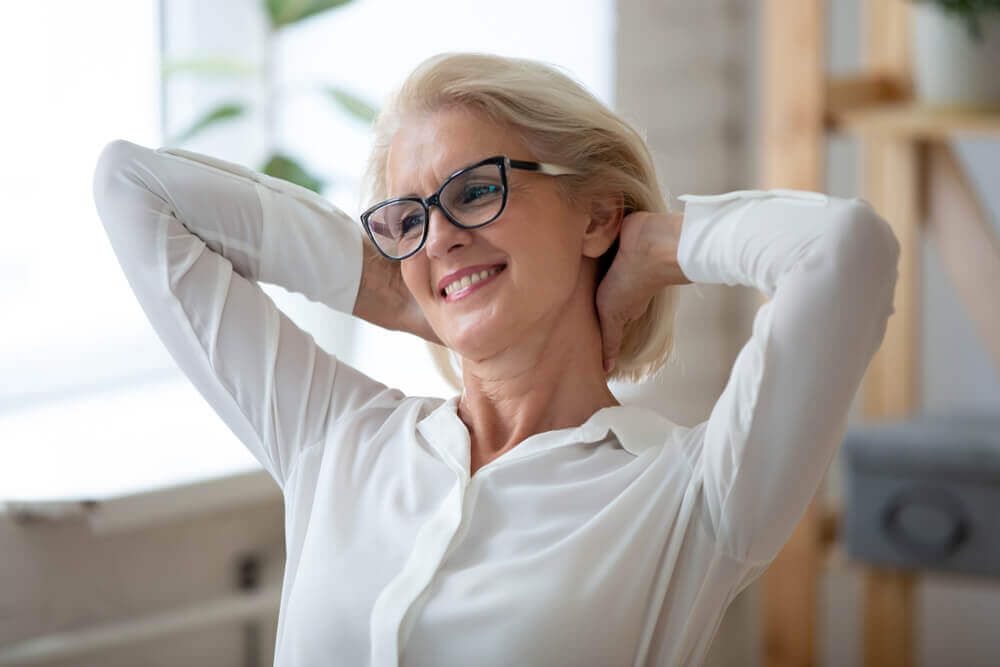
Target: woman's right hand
x=384 y=299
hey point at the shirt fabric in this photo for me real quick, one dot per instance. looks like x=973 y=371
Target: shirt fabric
x=617 y=542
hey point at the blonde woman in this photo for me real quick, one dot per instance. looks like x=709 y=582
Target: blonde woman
x=531 y=519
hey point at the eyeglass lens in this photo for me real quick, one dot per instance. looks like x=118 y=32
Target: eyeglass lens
x=473 y=197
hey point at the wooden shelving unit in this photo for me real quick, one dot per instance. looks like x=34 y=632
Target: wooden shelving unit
x=910 y=175
x=909 y=120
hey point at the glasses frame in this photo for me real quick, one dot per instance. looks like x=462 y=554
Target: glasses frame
x=502 y=161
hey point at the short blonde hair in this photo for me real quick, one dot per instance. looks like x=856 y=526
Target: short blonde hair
x=562 y=123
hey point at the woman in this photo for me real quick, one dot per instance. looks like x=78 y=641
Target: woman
x=531 y=520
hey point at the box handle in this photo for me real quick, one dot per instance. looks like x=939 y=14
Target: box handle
x=901 y=516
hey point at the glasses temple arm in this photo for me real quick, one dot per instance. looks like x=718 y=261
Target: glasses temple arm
x=543 y=167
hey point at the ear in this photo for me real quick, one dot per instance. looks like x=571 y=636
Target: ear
x=606 y=214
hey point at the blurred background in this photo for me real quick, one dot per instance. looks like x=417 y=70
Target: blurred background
x=134 y=526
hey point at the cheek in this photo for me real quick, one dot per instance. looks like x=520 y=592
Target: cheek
x=553 y=252
x=545 y=275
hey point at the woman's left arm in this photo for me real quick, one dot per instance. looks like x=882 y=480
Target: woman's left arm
x=829 y=267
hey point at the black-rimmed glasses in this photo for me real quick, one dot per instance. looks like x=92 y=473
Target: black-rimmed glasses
x=472 y=197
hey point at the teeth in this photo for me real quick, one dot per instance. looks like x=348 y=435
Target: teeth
x=470 y=279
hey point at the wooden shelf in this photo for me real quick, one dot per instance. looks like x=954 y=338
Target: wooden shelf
x=914 y=121
x=802 y=101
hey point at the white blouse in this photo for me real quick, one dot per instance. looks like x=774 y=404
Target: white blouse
x=617 y=542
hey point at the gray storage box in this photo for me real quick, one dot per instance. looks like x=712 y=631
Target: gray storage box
x=924 y=493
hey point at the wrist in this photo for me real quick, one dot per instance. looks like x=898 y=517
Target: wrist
x=664 y=250
x=371 y=304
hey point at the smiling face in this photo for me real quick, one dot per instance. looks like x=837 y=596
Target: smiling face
x=532 y=262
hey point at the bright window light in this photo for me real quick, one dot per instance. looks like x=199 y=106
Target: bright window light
x=91 y=403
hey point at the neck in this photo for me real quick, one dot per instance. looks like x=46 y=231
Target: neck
x=550 y=379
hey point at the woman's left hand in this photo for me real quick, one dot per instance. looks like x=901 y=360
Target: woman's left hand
x=646 y=262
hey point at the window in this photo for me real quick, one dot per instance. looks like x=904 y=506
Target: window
x=91 y=404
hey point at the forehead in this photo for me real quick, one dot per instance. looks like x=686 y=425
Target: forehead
x=429 y=147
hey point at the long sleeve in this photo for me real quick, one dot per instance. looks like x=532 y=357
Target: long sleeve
x=193 y=234
x=829 y=267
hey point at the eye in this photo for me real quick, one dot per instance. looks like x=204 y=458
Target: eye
x=473 y=192
x=410 y=223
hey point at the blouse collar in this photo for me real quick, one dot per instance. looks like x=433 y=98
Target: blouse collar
x=636 y=429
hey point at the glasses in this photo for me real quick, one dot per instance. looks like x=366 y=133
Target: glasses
x=472 y=197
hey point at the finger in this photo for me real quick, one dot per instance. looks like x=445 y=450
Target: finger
x=611 y=337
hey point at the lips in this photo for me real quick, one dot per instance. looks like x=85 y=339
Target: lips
x=470 y=275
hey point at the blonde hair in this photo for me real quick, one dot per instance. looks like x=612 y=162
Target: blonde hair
x=563 y=123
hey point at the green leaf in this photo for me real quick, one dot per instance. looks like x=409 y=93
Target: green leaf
x=353 y=104
x=210 y=65
x=286 y=168
x=970 y=12
x=220 y=113
x=284 y=12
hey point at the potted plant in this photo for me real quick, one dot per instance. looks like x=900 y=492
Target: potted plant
x=279 y=15
x=956 y=52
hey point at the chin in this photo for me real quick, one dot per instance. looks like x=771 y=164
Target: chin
x=475 y=348
x=479 y=326
x=479 y=340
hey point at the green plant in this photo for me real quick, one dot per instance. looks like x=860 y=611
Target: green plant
x=280 y=13
x=969 y=11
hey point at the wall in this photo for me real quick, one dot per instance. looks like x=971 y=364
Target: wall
x=185 y=549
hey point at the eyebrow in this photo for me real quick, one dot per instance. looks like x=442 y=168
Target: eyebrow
x=450 y=173
x=411 y=193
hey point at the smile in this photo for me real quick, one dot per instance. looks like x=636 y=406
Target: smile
x=470 y=282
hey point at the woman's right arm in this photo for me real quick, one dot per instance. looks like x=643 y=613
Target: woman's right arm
x=193 y=235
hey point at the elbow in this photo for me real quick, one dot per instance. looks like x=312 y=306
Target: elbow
x=867 y=242
x=865 y=262
x=109 y=170
x=875 y=230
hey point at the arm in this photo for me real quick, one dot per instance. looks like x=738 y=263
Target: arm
x=829 y=267
x=193 y=234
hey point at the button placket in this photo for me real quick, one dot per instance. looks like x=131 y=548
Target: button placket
x=410 y=616
x=429 y=547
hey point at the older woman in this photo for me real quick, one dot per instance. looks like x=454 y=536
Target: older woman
x=531 y=519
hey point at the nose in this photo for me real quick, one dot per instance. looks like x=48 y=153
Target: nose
x=442 y=236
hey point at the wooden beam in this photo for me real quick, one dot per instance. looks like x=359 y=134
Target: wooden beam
x=892 y=184
x=793 y=93
x=793 y=83
x=889 y=603
x=791 y=595
x=908 y=120
x=968 y=245
x=887 y=44
x=862 y=90
x=829 y=526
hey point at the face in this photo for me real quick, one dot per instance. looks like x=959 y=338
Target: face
x=534 y=252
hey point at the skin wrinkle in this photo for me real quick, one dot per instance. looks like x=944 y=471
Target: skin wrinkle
x=530 y=340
